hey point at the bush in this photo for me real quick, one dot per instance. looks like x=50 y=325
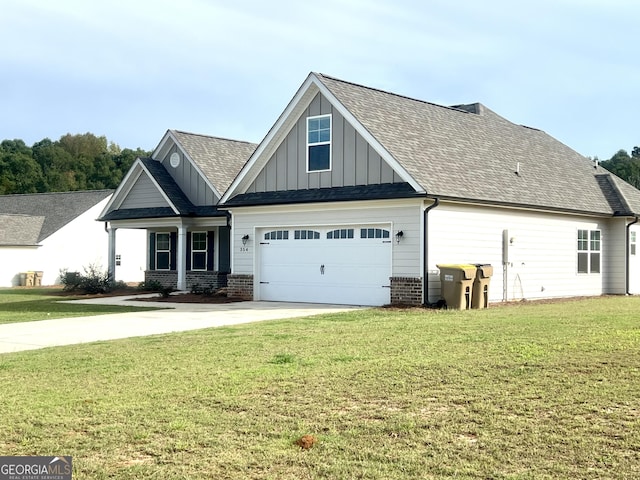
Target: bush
x=155 y=286
x=92 y=281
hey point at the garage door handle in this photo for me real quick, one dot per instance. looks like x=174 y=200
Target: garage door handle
x=265 y=282
x=321 y=269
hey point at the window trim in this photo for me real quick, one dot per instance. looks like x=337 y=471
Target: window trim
x=593 y=247
x=194 y=251
x=316 y=144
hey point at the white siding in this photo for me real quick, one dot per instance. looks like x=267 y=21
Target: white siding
x=634 y=264
x=77 y=245
x=542 y=259
x=402 y=215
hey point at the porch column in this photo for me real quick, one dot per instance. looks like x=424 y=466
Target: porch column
x=182 y=258
x=112 y=254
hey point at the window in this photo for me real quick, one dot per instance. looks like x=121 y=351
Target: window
x=277 y=235
x=118 y=260
x=589 y=251
x=373 y=233
x=319 y=143
x=199 y=251
x=342 y=233
x=632 y=243
x=306 y=235
x=163 y=250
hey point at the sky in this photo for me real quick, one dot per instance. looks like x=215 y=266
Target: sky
x=132 y=69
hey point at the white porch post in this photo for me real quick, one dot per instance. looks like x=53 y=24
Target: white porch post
x=112 y=254
x=182 y=258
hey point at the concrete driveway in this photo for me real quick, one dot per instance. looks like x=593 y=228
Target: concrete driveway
x=177 y=317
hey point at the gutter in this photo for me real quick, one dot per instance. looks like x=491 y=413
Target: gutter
x=627 y=256
x=425 y=253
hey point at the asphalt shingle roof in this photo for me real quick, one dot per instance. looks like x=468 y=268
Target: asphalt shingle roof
x=219 y=159
x=58 y=209
x=469 y=152
x=169 y=186
x=20 y=230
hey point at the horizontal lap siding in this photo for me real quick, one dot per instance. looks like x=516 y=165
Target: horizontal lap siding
x=543 y=257
x=406 y=254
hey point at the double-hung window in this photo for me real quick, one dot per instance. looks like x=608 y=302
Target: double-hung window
x=589 y=247
x=632 y=243
x=199 y=251
x=163 y=251
x=319 y=143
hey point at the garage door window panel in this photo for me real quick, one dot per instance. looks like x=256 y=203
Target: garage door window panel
x=374 y=233
x=306 y=235
x=341 y=233
x=277 y=235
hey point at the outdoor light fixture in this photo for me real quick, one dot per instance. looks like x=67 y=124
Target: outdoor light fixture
x=245 y=239
x=399 y=235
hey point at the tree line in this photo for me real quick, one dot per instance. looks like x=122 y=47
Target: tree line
x=74 y=162
x=88 y=162
x=625 y=166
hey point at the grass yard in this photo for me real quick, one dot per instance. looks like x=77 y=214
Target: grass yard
x=531 y=391
x=32 y=304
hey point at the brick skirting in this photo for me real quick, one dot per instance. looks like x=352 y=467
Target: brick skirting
x=169 y=278
x=240 y=286
x=406 y=291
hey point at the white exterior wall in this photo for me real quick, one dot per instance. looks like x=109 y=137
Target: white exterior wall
x=400 y=214
x=542 y=258
x=78 y=244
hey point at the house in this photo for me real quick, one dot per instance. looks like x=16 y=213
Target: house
x=356 y=195
x=47 y=232
x=173 y=196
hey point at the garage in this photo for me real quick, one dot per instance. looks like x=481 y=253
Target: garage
x=348 y=265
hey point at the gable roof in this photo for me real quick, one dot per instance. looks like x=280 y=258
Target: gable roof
x=464 y=152
x=219 y=159
x=57 y=209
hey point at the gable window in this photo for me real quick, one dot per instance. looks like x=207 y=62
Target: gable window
x=199 y=251
x=319 y=143
x=589 y=251
x=632 y=243
x=163 y=251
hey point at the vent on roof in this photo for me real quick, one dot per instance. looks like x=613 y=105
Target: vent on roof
x=475 y=108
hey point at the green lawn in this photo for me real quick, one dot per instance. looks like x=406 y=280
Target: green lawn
x=546 y=391
x=31 y=304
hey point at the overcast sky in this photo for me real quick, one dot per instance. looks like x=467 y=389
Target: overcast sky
x=131 y=69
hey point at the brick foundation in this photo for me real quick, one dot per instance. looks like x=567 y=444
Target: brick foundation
x=406 y=291
x=240 y=286
x=169 y=278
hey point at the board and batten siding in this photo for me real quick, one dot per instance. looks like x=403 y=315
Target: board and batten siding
x=353 y=160
x=189 y=179
x=144 y=194
x=398 y=215
x=542 y=256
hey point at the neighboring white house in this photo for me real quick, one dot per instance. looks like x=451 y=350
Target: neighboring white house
x=356 y=195
x=47 y=232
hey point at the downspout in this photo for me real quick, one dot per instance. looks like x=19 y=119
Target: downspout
x=425 y=253
x=627 y=256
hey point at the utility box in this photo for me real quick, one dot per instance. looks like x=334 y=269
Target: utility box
x=480 y=296
x=23 y=279
x=37 y=278
x=457 y=284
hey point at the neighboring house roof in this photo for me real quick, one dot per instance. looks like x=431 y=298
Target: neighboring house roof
x=57 y=209
x=219 y=159
x=464 y=152
x=20 y=230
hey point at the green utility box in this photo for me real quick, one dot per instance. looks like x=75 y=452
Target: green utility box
x=457 y=284
x=480 y=294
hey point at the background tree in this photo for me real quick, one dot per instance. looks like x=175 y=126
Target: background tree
x=74 y=162
x=625 y=166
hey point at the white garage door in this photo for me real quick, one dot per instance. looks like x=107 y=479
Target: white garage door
x=346 y=265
